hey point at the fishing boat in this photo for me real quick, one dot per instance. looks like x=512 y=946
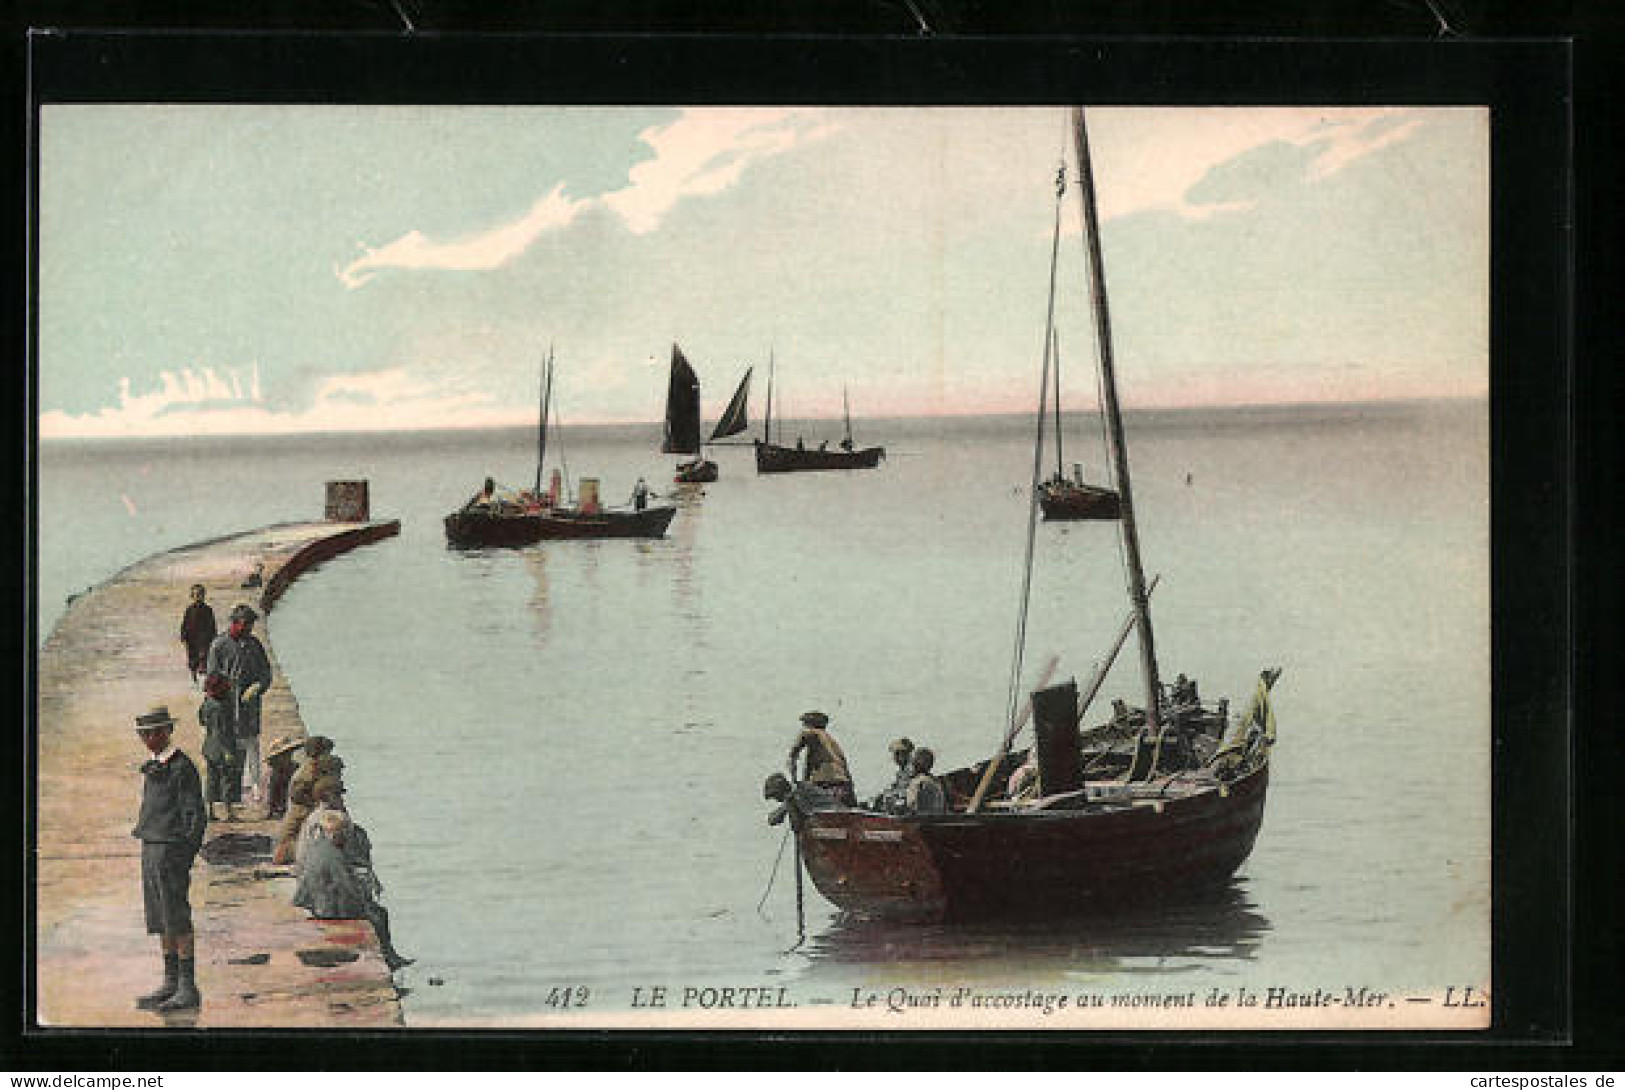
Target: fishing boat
x=682 y=434
x=1064 y=499
x=506 y=517
x=773 y=457
x=1158 y=803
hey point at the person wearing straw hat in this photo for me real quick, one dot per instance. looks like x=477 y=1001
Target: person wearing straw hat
x=238 y=655
x=170 y=827
x=281 y=759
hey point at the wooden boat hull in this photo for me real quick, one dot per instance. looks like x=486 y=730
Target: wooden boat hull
x=480 y=529
x=772 y=458
x=989 y=865
x=699 y=473
x=1070 y=503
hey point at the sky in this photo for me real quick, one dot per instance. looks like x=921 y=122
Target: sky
x=213 y=270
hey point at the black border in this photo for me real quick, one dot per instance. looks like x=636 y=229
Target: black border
x=362 y=56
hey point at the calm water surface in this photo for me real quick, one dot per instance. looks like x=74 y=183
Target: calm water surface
x=559 y=750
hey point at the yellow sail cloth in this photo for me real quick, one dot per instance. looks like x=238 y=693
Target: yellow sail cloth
x=1259 y=716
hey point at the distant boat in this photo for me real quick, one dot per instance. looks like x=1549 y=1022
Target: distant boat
x=497 y=517
x=774 y=458
x=1064 y=500
x=683 y=420
x=1160 y=803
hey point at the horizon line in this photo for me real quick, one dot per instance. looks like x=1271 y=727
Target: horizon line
x=441 y=429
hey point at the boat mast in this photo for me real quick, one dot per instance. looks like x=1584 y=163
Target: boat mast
x=541 y=428
x=1060 y=460
x=1114 y=419
x=767 y=416
x=846 y=406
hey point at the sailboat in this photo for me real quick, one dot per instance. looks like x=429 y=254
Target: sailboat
x=683 y=420
x=1064 y=499
x=771 y=457
x=1159 y=803
x=505 y=517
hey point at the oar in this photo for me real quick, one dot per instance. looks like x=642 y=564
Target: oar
x=1088 y=695
x=1111 y=656
x=1009 y=737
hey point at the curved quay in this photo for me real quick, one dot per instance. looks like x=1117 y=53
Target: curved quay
x=114 y=654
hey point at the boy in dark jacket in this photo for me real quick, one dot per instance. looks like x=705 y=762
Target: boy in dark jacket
x=170 y=828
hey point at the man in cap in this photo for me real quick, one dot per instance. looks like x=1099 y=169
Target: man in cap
x=239 y=657
x=891 y=800
x=826 y=764
x=198 y=630
x=925 y=794
x=170 y=827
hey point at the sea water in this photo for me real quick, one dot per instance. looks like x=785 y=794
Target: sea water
x=559 y=750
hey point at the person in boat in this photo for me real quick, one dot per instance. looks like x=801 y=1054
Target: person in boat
x=330 y=890
x=925 y=794
x=826 y=765
x=799 y=796
x=846 y=444
x=894 y=798
x=486 y=495
x=198 y=630
x=222 y=782
x=640 y=495
x=799 y=444
x=823 y=445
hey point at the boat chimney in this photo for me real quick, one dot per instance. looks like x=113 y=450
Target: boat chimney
x=589 y=495
x=1055 y=724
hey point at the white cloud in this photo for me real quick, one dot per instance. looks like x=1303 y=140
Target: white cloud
x=704 y=152
x=701 y=153
x=185 y=405
x=486 y=250
x=1152 y=158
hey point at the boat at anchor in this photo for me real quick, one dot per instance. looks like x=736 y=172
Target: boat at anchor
x=497 y=517
x=1158 y=803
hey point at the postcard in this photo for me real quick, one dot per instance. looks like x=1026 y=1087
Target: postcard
x=763 y=566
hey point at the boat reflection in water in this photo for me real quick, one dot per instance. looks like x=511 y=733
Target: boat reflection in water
x=1224 y=924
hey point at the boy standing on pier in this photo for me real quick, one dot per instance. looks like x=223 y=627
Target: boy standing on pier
x=197 y=631
x=170 y=828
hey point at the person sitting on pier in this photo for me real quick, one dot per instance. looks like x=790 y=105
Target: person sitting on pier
x=826 y=765
x=894 y=798
x=222 y=759
x=319 y=763
x=198 y=630
x=802 y=796
x=329 y=793
x=280 y=762
x=256 y=578
x=330 y=890
x=925 y=794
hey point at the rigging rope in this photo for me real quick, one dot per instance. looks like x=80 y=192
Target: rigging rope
x=1013 y=699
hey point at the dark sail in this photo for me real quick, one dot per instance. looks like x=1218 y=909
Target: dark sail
x=733 y=419
x=682 y=408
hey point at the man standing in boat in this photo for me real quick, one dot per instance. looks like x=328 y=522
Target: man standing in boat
x=826 y=765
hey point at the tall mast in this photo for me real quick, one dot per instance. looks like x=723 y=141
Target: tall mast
x=1114 y=419
x=541 y=429
x=1060 y=459
x=767 y=415
x=846 y=407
